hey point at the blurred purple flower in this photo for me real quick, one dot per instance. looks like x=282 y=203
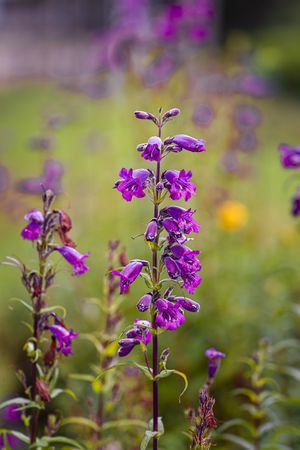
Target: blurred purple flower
x=4 y=179
x=11 y=413
x=247 y=141
x=247 y=116
x=178 y=184
x=133 y=184
x=76 y=259
x=33 y=230
x=214 y=361
x=203 y=115
x=128 y=275
x=50 y=179
x=12 y=441
x=296 y=204
x=289 y=156
x=64 y=338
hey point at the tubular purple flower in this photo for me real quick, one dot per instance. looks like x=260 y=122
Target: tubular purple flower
x=128 y=275
x=133 y=184
x=11 y=413
x=190 y=281
x=151 y=231
x=139 y=333
x=289 y=156
x=64 y=338
x=183 y=218
x=172 y=268
x=76 y=259
x=188 y=304
x=214 y=361
x=33 y=230
x=187 y=142
x=152 y=150
x=178 y=184
x=144 y=303
x=169 y=316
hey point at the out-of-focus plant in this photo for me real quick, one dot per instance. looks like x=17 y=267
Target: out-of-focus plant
x=290 y=159
x=104 y=403
x=202 y=420
x=50 y=338
x=265 y=401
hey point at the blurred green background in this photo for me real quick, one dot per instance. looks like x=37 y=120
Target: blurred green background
x=250 y=271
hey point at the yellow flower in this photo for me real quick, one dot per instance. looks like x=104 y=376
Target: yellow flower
x=232 y=215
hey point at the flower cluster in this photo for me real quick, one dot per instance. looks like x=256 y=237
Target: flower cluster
x=290 y=159
x=180 y=262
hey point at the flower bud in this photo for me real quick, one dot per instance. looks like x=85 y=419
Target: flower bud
x=160 y=186
x=171 y=113
x=43 y=390
x=144 y=303
x=151 y=231
x=143 y=115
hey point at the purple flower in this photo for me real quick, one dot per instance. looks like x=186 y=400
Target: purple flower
x=133 y=184
x=187 y=143
x=144 y=303
x=247 y=116
x=296 y=203
x=203 y=115
x=139 y=333
x=152 y=150
x=128 y=275
x=178 y=221
x=182 y=262
x=178 y=184
x=63 y=337
x=151 y=231
x=12 y=441
x=289 y=156
x=11 y=413
x=188 y=304
x=76 y=259
x=170 y=315
x=214 y=361
x=33 y=230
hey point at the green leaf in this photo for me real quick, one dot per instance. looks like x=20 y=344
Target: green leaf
x=15 y=401
x=22 y=302
x=144 y=369
x=239 y=441
x=236 y=422
x=82 y=377
x=291 y=371
x=22 y=437
x=83 y=421
x=167 y=372
x=45 y=441
x=56 y=392
x=149 y=435
x=124 y=423
x=55 y=308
